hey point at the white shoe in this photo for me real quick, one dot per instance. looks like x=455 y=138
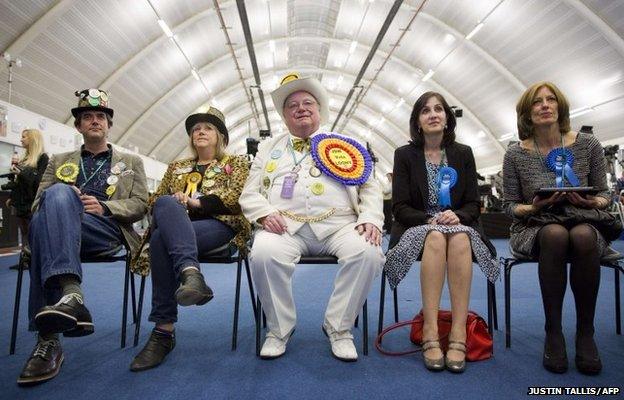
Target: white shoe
x=273 y=346
x=342 y=346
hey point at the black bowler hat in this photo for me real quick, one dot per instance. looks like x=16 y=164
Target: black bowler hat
x=213 y=116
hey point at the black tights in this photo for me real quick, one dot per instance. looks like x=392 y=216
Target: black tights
x=557 y=246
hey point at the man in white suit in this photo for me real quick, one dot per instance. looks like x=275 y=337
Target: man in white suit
x=307 y=206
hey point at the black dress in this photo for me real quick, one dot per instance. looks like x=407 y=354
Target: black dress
x=24 y=186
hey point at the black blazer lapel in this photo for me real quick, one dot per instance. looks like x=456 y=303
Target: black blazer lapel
x=421 y=174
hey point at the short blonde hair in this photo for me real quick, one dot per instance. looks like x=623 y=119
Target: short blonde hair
x=220 y=148
x=525 y=104
x=34 y=148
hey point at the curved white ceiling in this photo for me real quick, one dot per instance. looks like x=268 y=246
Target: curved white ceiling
x=118 y=46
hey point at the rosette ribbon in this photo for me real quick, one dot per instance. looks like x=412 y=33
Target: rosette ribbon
x=447 y=178
x=341 y=158
x=561 y=162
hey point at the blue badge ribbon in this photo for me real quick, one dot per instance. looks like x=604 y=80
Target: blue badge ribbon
x=447 y=178
x=561 y=162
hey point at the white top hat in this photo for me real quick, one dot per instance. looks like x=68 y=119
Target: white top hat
x=292 y=83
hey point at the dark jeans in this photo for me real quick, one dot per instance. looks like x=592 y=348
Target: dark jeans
x=175 y=244
x=60 y=234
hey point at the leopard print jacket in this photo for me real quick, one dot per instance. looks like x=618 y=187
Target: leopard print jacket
x=228 y=185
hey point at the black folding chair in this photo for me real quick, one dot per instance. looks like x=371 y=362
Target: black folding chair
x=229 y=254
x=491 y=299
x=128 y=280
x=316 y=260
x=510 y=262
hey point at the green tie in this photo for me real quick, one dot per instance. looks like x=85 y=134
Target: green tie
x=301 y=144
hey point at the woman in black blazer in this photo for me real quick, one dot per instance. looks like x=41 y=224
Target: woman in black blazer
x=435 y=202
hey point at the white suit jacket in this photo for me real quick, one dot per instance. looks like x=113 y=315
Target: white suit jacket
x=366 y=200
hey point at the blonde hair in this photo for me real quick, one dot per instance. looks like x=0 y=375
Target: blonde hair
x=34 y=148
x=220 y=147
x=525 y=104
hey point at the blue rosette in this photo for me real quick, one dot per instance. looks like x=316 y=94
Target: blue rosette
x=561 y=162
x=341 y=158
x=447 y=178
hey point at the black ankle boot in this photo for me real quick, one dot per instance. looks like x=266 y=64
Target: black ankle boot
x=587 y=358
x=193 y=289
x=154 y=352
x=555 y=357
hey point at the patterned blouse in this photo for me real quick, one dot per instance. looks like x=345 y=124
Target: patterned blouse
x=221 y=187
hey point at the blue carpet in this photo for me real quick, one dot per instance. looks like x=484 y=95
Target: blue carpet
x=202 y=365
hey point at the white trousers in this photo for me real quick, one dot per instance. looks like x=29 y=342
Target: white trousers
x=273 y=258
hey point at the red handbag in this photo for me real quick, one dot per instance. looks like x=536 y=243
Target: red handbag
x=479 y=345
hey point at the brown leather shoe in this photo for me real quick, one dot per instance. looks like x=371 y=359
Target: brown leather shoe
x=154 y=352
x=44 y=363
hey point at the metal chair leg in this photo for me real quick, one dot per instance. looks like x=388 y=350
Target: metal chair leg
x=258 y=318
x=618 y=315
x=494 y=307
x=382 y=299
x=137 y=326
x=357 y=321
x=16 y=306
x=250 y=285
x=365 y=327
x=133 y=294
x=239 y=268
x=489 y=306
x=395 y=297
x=124 y=313
x=507 y=304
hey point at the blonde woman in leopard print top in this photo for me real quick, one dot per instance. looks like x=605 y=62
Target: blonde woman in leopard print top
x=194 y=211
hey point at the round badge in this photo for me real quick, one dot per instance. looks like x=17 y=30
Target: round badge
x=194 y=178
x=271 y=165
x=275 y=154
x=67 y=172
x=94 y=101
x=315 y=172
x=103 y=96
x=217 y=169
x=266 y=182
x=318 y=188
x=94 y=93
x=110 y=190
x=209 y=183
x=112 y=180
x=115 y=170
x=122 y=165
x=210 y=174
x=341 y=158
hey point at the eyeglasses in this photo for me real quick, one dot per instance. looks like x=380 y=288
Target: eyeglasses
x=306 y=104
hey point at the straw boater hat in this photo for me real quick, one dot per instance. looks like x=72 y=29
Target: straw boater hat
x=92 y=100
x=213 y=116
x=292 y=83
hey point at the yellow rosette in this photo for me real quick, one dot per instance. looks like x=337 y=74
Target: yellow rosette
x=67 y=172
x=192 y=180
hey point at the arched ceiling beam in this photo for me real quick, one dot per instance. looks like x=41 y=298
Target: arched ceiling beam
x=599 y=24
x=49 y=17
x=162 y=38
x=147 y=113
x=502 y=69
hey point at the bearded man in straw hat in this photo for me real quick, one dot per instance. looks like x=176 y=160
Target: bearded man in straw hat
x=85 y=206
x=311 y=194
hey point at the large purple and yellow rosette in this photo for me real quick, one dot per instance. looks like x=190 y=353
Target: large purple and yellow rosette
x=341 y=158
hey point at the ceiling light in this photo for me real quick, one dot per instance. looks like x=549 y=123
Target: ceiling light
x=428 y=75
x=474 y=31
x=352 y=47
x=401 y=102
x=272 y=46
x=506 y=136
x=481 y=134
x=340 y=78
x=165 y=28
x=580 y=111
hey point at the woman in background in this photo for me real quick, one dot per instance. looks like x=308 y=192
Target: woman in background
x=27 y=173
